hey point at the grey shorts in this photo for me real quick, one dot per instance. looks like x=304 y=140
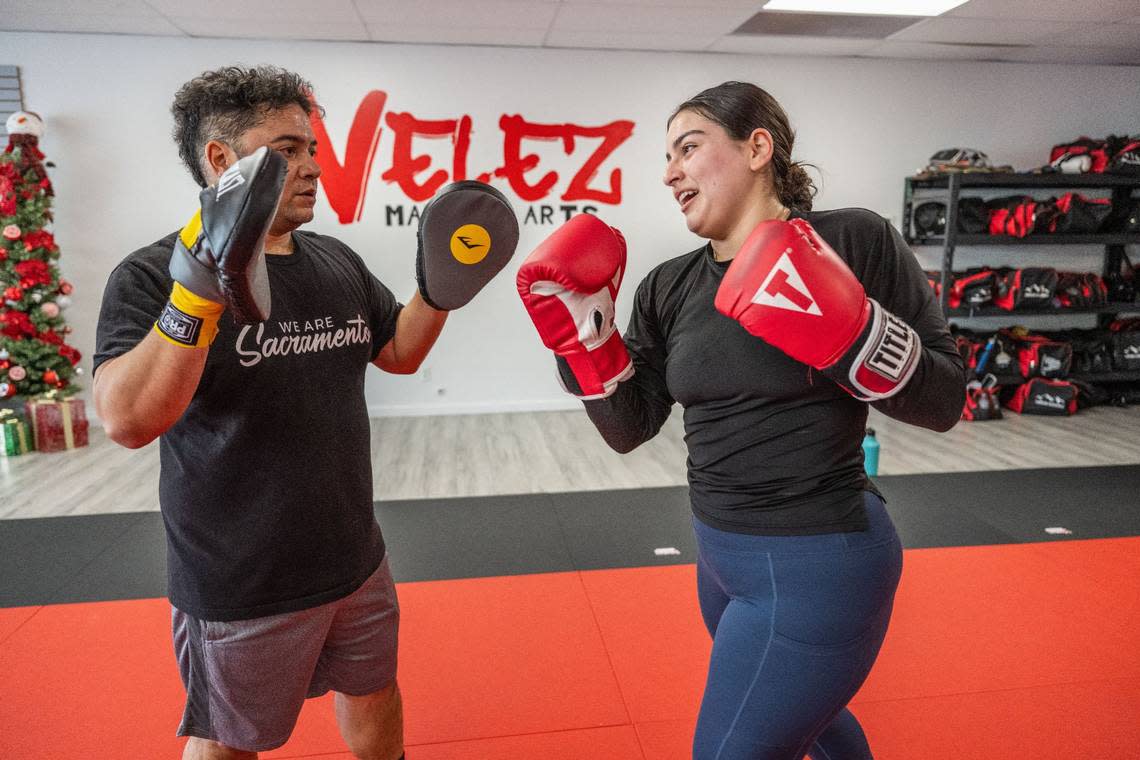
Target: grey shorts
x=246 y=680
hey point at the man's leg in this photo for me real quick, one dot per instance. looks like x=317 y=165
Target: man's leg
x=245 y=680
x=373 y=725
x=204 y=749
x=359 y=664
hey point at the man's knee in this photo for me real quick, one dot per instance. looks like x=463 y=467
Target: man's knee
x=373 y=725
x=204 y=749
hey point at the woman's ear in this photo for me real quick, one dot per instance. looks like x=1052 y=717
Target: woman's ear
x=760 y=148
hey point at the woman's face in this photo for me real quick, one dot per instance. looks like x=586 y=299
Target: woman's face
x=713 y=177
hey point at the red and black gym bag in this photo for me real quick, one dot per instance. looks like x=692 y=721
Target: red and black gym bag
x=1038 y=356
x=1012 y=215
x=1028 y=288
x=981 y=402
x=1096 y=150
x=1078 y=214
x=1080 y=290
x=1125 y=345
x=1126 y=159
x=1042 y=396
x=973 y=288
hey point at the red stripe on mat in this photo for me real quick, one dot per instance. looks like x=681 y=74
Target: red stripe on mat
x=998 y=651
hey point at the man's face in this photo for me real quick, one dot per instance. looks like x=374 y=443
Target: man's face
x=287 y=130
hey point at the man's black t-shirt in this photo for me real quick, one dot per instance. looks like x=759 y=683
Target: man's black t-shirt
x=266 y=479
x=774 y=446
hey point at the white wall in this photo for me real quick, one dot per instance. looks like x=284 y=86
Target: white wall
x=866 y=123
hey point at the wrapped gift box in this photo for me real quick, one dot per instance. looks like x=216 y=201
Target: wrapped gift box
x=14 y=438
x=57 y=424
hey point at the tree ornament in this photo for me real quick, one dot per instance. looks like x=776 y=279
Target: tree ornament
x=7 y=389
x=4 y=353
x=63 y=301
x=50 y=377
x=49 y=309
x=65 y=287
x=17 y=373
x=12 y=232
x=25 y=123
x=24 y=131
x=37 y=297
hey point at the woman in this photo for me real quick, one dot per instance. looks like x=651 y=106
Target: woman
x=798 y=561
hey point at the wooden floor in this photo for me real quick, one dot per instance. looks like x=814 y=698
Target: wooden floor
x=489 y=454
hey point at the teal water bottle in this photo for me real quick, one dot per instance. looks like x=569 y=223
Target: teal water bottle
x=871 y=452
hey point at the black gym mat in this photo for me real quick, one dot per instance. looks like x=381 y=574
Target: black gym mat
x=122 y=556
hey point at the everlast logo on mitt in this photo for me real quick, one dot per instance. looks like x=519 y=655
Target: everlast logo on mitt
x=231 y=178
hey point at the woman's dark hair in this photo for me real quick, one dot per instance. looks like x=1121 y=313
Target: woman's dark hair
x=224 y=103
x=740 y=108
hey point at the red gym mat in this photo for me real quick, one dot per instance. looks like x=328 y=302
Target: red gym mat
x=996 y=651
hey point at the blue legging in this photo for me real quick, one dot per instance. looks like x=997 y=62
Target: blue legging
x=797 y=622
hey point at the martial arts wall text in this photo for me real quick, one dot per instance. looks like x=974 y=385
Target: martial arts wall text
x=555 y=193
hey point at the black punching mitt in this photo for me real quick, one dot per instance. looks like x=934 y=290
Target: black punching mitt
x=468 y=232
x=220 y=254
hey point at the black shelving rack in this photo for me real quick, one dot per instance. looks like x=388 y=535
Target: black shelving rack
x=951 y=187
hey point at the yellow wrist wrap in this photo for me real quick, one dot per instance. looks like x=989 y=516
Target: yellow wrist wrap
x=189 y=320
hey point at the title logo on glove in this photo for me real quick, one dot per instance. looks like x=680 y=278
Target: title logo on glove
x=783 y=288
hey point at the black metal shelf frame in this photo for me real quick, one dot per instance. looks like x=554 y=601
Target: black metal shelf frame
x=1121 y=187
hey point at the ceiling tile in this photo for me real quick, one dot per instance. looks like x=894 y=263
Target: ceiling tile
x=1100 y=35
x=269 y=11
x=668 y=20
x=504 y=36
x=1047 y=10
x=981 y=31
x=89 y=24
x=71 y=8
x=931 y=50
x=1108 y=56
x=760 y=44
x=485 y=14
x=623 y=40
x=274 y=28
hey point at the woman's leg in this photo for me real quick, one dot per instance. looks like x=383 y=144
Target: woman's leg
x=800 y=633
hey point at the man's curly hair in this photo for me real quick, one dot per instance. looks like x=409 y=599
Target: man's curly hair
x=224 y=103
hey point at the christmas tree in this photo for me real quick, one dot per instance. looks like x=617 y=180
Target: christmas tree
x=34 y=357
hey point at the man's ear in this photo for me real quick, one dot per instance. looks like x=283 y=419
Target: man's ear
x=218 y=157
x=760 y=148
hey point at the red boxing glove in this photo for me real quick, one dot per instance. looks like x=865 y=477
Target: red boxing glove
x=569 y=285
x=787 y=286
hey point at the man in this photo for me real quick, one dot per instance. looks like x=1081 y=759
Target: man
x=277 y=569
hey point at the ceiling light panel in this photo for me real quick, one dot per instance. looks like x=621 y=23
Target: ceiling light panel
x=825 y=25
x=873 y=7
